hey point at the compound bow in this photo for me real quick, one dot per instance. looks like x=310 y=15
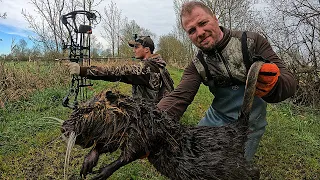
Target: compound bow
x=79 y=51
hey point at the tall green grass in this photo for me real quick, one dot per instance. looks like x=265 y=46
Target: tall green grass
x=31 y=147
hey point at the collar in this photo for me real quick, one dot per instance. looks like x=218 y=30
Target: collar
x=157 y=59
x=225 y=39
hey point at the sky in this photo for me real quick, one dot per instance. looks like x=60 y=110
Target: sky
x=156 y=15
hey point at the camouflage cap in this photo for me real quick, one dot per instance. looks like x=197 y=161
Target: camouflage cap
x=145 y=41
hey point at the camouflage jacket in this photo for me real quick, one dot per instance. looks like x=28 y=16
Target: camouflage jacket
x=149 y=78
x=226 y=66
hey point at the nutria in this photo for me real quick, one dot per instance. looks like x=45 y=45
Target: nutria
x=112 y=121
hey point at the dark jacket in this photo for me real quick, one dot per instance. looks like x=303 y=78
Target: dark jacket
x=225 y=62
x=147 y=77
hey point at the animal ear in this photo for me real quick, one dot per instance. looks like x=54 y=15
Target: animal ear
x=111 y=96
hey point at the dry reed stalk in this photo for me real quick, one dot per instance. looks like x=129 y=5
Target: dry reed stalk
x=19 y=81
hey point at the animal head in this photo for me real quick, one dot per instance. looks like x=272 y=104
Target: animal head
x=101 y=119
x=117 y=121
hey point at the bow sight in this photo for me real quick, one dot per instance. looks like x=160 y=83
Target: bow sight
x=79 y=49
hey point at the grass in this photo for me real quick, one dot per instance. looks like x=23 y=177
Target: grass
x=19 y=79
x=31 y=147
x=290 y=148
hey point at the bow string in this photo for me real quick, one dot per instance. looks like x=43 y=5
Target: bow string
x=79 y=51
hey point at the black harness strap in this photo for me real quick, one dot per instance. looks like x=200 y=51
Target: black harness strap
x=168 y=82
x=245 y=51
x=205 y=65
x=247 y=59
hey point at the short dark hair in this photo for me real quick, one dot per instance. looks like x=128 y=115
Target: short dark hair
x=187 y=8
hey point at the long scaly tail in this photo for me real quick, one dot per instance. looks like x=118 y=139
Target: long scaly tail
x=249 y=93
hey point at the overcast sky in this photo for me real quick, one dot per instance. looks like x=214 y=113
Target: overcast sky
x=156 y=15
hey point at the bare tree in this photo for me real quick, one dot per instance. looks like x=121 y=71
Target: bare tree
x=13 y=45
x=46 y=23
x=181 y=35
x=173 y=50
x=111 y=26
x=48 y=29
x=96 y=47
x=127 y=34
x=232 y=14
x=293 y=27
x=20 y=50
x=3 y=16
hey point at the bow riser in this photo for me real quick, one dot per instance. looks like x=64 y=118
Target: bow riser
x=79 y=52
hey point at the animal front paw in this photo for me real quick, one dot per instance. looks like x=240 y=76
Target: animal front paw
x=90 y=161
x=104 y=173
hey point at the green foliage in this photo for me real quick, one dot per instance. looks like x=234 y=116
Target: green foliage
x=199 y=106
x=290 y=148
x=200 y=103
x=173 y=50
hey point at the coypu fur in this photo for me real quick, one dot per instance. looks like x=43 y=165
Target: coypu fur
x=112 y=121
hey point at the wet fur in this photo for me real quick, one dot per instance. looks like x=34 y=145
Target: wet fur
x=136 y=127
x=112 y=121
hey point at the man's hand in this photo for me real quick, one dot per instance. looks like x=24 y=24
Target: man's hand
x=74 y=68
x=268 y=77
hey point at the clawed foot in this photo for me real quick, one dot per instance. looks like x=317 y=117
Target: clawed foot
x=89 y=163
x=107 y=171
x=104 y=173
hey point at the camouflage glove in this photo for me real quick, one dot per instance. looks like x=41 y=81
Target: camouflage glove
x=267 y=78
x=74 y=68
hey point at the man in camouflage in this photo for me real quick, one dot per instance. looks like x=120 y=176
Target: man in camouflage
x=149 y=77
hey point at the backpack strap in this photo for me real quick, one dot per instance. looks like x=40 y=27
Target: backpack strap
x=247 y=59
x=202 y=67
x=245 y=51
x=168 y=82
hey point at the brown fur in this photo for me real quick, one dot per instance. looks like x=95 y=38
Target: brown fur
x=178 y=152
x=112 y=121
